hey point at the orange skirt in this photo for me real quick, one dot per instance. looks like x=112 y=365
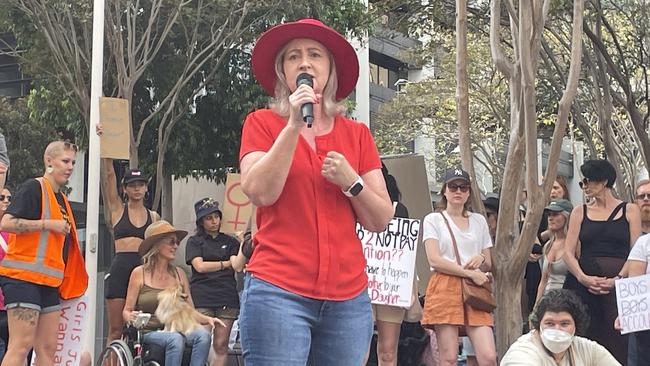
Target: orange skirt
x=444 y=304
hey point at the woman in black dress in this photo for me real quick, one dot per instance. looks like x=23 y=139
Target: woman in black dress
x=605 y=230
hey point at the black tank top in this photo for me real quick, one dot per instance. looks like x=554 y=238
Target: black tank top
x=125 y=229
x=610 y=238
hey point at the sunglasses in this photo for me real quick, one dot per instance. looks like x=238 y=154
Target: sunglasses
x=454 y=188
x=70 y=146
x=172 y=242
x=642 y=196
x=6 y=197
x=584 y=182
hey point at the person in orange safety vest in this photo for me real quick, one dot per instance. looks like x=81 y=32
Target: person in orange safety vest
x=43 y=263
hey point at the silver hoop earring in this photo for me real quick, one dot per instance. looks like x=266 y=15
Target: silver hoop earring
x=49 y=169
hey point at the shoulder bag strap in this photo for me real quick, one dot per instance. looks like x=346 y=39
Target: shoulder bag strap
x=453 y=239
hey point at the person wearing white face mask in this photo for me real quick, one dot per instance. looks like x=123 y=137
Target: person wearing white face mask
x=557 y=318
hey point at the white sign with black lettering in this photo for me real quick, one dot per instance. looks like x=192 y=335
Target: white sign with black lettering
x=390 y=261
x=633 y=300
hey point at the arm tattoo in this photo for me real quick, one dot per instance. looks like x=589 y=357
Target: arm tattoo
x=26 y=315
x=21 y=225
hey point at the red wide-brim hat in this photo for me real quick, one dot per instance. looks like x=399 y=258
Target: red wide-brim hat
x=271 y=41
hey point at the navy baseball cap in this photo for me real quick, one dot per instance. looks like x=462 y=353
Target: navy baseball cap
x=456 y=173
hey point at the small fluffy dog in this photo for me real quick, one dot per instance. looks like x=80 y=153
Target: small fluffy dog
x=175 y=312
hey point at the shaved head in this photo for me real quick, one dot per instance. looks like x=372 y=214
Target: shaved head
x=56 y=148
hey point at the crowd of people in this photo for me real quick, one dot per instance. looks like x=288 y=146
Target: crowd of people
x=305 y=298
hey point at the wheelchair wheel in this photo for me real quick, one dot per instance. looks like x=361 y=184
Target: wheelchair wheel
x=137 y=361
x=116 y=354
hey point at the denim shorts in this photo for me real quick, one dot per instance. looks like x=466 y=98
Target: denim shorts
x=281 y=328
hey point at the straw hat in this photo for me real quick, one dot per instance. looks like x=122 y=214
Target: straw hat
x=157 y=231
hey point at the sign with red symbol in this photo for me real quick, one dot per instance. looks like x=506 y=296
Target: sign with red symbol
x=237 y=208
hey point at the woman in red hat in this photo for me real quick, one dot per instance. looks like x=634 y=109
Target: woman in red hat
x=305 y=295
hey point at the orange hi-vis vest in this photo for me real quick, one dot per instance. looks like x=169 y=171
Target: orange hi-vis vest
x=37 y=256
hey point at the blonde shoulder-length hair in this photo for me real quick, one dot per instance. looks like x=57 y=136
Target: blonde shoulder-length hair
x=280 y=103
x=565 y=229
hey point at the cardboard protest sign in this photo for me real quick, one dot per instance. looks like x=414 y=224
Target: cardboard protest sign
x=114 y=117
x=411 y=174
x=72 y=320
x=633 y=301
x=390 y=257
x=237 y=208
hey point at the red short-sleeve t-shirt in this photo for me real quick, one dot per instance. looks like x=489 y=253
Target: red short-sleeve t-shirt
x=306 y=241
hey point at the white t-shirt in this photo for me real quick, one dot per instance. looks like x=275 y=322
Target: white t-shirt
x=470 y=242
x=641 y=251
x=528 y=350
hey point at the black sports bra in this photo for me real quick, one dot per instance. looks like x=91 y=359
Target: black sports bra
x=125 y=229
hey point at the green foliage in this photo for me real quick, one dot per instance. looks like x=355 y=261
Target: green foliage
x=48 y=107
x=26 y=140
x=205 y=140
x=428 y=108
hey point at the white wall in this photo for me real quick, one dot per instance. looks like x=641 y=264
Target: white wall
x=184 y=195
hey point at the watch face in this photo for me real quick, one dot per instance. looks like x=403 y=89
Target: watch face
x=356 y=189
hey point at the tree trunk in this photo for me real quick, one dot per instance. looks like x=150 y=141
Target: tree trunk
x=462 y=103
x=167 y=199
x=507 y=317
x=512 y=248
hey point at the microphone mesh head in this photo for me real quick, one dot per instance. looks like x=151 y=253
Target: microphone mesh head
x=306 y=79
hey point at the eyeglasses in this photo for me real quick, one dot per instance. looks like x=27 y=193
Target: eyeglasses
x=642 y=196
x=454 y=188
x=6 y=197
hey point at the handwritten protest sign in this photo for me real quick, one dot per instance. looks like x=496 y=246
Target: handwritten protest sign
x=237 y=207
x=72 y=319
x=633 y=300
x=390 y=257
x=114 y=116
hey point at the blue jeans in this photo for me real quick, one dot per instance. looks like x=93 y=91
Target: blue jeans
x=284 y=329
x=174 y=344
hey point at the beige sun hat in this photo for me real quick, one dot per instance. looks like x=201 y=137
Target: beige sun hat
x=157 y=231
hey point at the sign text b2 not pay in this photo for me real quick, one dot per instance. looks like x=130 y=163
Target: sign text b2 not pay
x=390 y=257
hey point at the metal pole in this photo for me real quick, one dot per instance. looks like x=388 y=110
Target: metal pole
x=92 y=201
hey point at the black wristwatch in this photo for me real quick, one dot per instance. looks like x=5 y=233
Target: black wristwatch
x=355 y=188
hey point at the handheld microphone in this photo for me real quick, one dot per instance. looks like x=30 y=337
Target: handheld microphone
x=306 y=109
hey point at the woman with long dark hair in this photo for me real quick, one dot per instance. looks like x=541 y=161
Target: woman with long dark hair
x=130 y=219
